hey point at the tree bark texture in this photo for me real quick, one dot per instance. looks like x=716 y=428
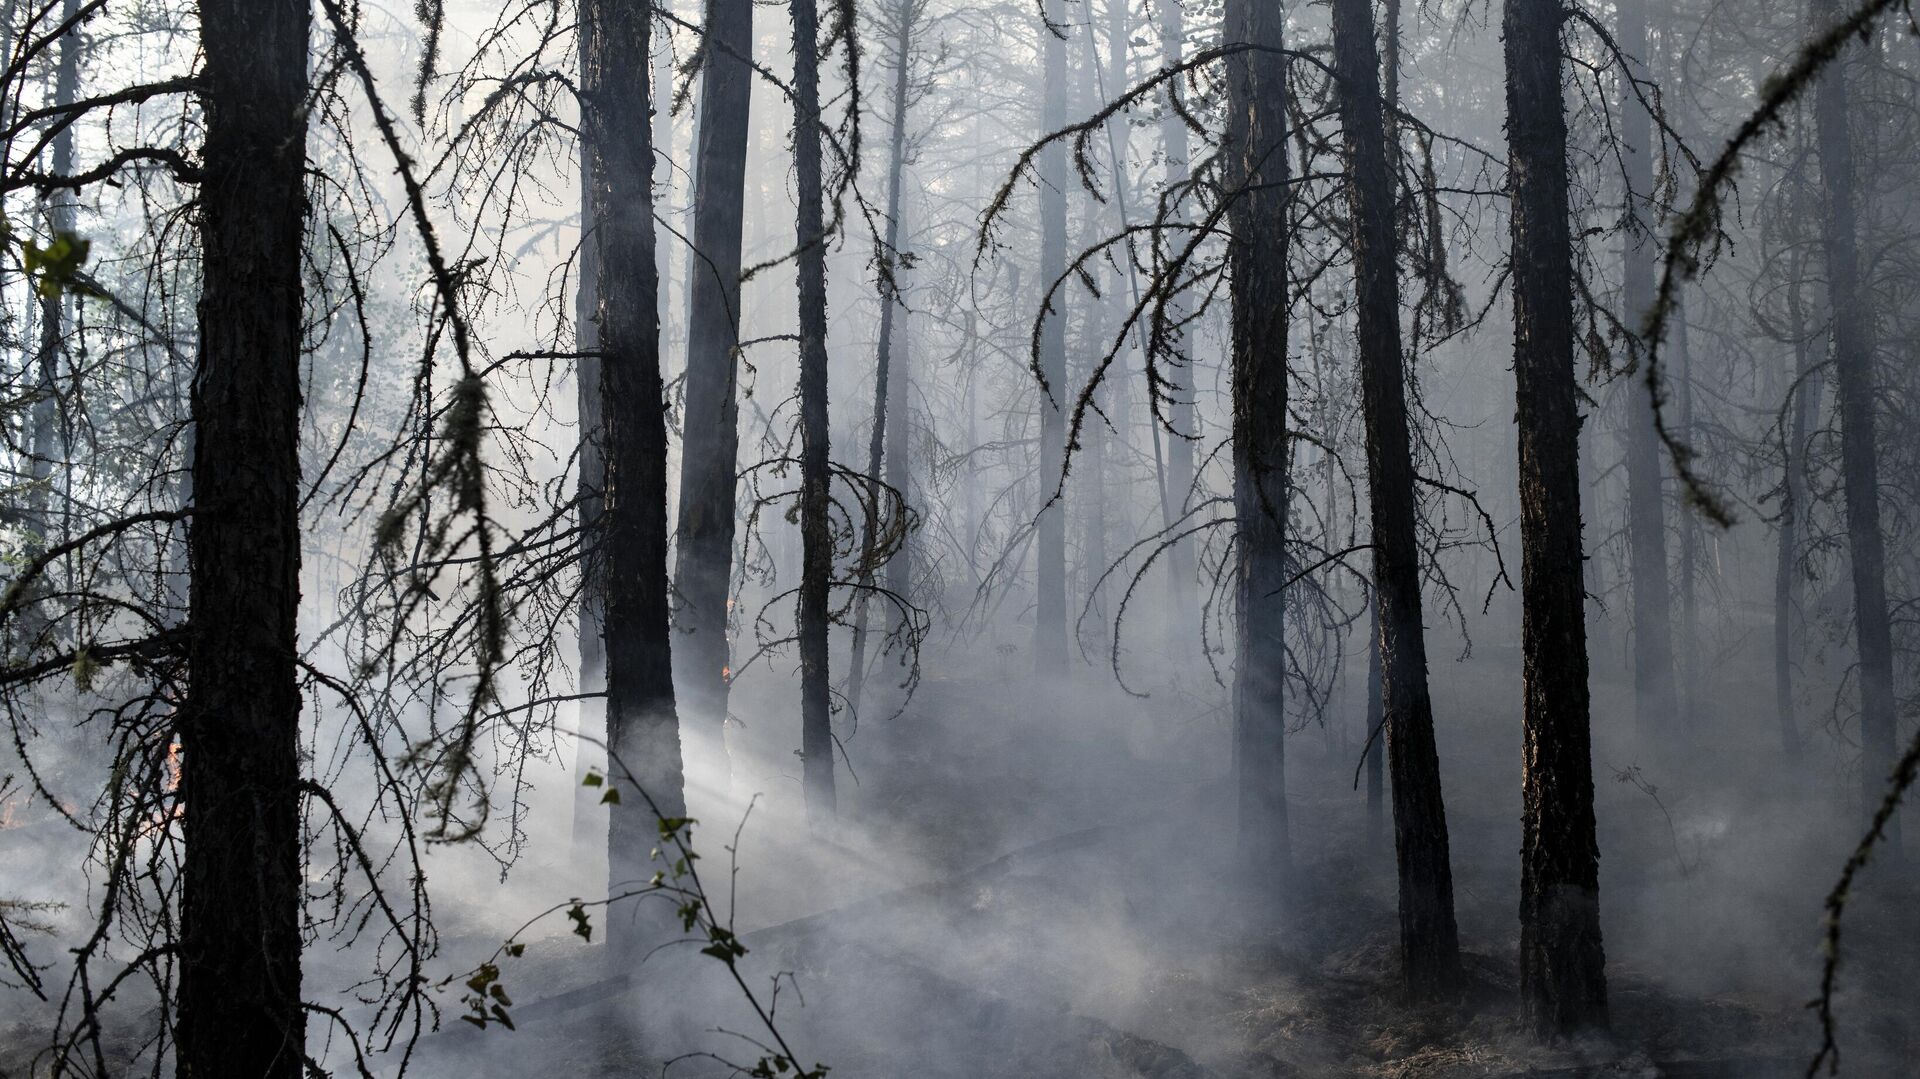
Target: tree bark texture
x=816 y=538
x=1429 y=940
x=1256 y=145
x=643 y=730
x=240 y=1014
x=1563 y=984
x=710 y=447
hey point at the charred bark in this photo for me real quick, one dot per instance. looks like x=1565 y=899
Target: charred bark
x=643 y=731
x=1562 y=964
x=710 y=445
x=1256 y=145
x=239 y=948
x=589 y=821
x=1429 y=940
x=816 y=538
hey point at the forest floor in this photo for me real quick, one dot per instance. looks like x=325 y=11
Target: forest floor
x=1029 y=886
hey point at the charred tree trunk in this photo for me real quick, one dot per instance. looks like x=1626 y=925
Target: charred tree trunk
x=643 y=731
x=1655 y=702
x=1563 y=985
x=816 y=538
x=239 y=996
x=1256 y=145
x=589 y=821
x=881 y=450
x=1429 y=941
x=710 y=446
x=1050 y=570
x=1852 y=315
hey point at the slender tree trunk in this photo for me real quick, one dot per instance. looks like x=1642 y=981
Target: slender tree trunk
x=1089 y=346
x=816 y=537
x=239 y=951
x=899 y=456
x=1806 y=405
x=1852 y=314
x=1688 y=629
x=1656 y=707
x=879 y=442
x=643 y=730
x=1563 y=984
x=1050 y=614
x=710 y=446
x=1184 y=621
x=48 y=442
x=1429 y=941
x=1256 y=142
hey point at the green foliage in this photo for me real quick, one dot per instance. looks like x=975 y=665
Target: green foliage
x=60 y=265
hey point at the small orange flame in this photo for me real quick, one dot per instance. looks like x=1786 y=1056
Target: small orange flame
x=173 y=767
x=726 y=674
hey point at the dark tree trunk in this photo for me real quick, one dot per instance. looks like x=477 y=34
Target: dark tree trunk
x=1256 y=145
x=1429 y=941
x=710 y=446
x=589 y=820
x=1654 y=692
x=882 y=451
x=239 y=997
x=1184 y=622
x=1050 y=572
x=1563 y=984
x=816 y=538
x=1852 y=315
x=643 y=732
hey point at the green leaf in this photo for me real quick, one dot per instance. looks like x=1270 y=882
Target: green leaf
x=581 y=927
x=60 y=264
x=592 y=779
x=611 y=798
